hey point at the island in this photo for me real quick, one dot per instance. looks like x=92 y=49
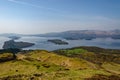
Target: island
x=19 y=45
x=14 y=37
x=58 y=41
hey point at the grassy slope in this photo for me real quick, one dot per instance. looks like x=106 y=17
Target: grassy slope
x=111 y=67
x=48 y=66
x=108 y=60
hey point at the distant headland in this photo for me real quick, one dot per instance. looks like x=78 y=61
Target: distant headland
x=19 y=45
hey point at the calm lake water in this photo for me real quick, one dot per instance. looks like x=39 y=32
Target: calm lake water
x=41 y=43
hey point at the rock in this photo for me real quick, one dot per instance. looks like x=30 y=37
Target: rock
x=6 y=57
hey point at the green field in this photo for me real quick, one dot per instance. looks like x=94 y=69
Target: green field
x=45 y=65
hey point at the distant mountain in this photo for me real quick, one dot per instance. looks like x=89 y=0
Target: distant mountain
x=84 y=34
x=75 y=34
x=10 y=34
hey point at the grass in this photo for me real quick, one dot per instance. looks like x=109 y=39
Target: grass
x=70 y=52
x=67 y=62
x=40 y=64
x=52 y=73
x=6 y=55
x=112 y=67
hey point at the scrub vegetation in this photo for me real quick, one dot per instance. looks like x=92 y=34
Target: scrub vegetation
x=66 y=64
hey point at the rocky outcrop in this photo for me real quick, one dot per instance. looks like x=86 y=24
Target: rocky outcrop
x=6 y=57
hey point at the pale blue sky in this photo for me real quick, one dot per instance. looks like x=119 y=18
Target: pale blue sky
x=42 y=16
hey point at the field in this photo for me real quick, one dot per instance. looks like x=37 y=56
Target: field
x=45 y=65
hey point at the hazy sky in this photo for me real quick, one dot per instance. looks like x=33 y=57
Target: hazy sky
x=42 y=16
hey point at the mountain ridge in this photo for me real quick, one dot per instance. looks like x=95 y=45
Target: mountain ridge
x=84 y=34
x=75 y=34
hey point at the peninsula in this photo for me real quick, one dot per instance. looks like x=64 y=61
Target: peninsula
x=19 y=45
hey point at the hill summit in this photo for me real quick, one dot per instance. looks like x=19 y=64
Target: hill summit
x=75 y=64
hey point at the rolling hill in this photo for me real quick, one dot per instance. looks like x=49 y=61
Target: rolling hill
x=68 y=64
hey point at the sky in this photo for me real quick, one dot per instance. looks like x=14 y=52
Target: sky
x=44 y=16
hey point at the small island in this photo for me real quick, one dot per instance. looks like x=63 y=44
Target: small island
x=19 y=45
x=14 y=37
x=58 y=41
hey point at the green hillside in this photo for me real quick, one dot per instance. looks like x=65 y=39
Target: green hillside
x=78 y=64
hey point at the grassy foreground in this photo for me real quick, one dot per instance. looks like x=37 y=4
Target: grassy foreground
x=68 y=64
